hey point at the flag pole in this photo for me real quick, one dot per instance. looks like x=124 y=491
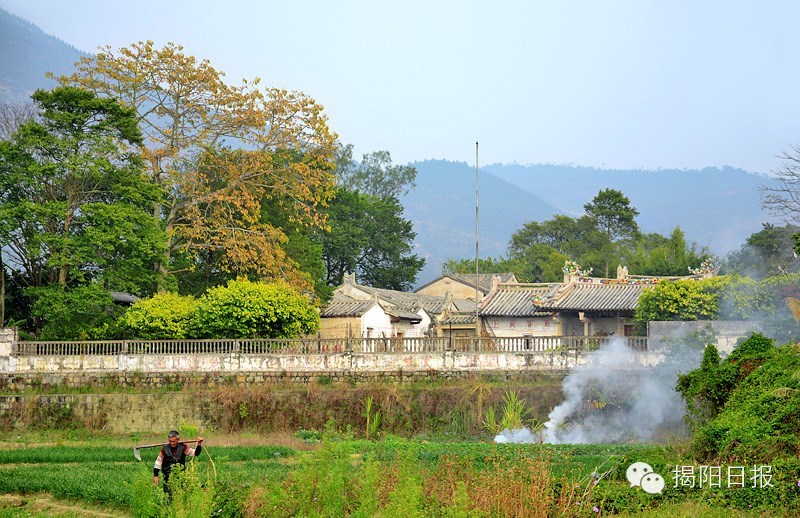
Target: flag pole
x=477 y=322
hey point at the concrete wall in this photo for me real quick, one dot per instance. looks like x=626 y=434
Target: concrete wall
x=157 y=412
x=121 y=413
x=728 y=332
x=235 y=362
x=276 y=363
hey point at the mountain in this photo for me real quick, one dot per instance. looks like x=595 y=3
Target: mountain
x=442 y=208
x=26 y=54
x=717 y=208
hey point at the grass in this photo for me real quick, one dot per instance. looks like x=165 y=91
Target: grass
x=344 y=476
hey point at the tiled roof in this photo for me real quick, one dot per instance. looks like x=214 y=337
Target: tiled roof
x=468 y=279
x=458 y=319
x=517 y=300
x=596 y=297
x=123 y=298
x=484 y=279
x=404 y=315
x=412 y=301
x=346 y=307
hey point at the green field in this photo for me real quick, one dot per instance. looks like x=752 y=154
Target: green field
x=342 y=476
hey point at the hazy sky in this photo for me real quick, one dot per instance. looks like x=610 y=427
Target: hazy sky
x=630 y=84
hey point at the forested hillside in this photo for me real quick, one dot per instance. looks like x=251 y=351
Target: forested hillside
x=26 y=54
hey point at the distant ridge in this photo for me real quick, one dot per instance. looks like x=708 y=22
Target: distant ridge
x=26 y=54
x=717 y=208
x=442 y=208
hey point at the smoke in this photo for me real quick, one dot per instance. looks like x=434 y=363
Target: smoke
x=619 y=395
x=519 y=435
x=615 y=398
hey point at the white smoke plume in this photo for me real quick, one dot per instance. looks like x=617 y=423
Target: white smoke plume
x=614 y=398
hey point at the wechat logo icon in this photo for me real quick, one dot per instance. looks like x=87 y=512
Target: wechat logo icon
x=641 y=474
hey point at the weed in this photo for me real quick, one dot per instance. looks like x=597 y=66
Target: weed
x=373 y=419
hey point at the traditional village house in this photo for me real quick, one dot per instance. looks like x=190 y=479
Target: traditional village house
x=357 y=311
x=510 y=309
x=462 y=286
x=580 y=306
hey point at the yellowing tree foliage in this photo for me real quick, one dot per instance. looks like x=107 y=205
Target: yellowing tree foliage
x=219 y=152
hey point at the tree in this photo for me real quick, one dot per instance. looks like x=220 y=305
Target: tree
x=12 y=116
x=369 y=237
x=613 y=213
x=536 y=263
x=767 y=252
x=374 y=175
x=74 y=200
x=568 y=236
x=654 y=254
x=83 y=313
x=784 y=200
x=244 y=309
x=218 y=151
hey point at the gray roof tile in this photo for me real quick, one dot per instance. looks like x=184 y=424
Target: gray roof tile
x=596 y=297
x=517 y=300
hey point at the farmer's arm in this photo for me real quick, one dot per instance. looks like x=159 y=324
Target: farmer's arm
x=157 y=466
x=191 y=452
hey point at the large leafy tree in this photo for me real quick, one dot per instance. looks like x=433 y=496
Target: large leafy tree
x=369 y=237
x=74 y=198
x=573 y=237
x=75 y=204
x=614 y=214
x=615 y=217
x=218 y=152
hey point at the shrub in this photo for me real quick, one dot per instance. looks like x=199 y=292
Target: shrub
x=161 y=317
x=244 y=309
x=681 y=300
x=756 y=391
x=84 y=313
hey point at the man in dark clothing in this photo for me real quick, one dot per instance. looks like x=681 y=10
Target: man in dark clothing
x=174 y=452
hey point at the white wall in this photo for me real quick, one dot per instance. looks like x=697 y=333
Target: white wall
x=508 y=327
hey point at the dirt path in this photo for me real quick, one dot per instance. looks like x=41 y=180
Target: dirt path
x=46 y=505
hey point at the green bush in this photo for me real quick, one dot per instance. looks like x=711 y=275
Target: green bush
x=161 y=317
x=244 y=309
x=682 y=300
x=755 y=400
x=84 y=313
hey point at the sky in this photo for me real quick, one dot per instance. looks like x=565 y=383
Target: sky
x=602 y=83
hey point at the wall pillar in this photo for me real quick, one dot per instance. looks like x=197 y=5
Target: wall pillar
x=8 y=335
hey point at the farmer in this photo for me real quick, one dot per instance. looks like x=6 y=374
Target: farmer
x=174 y=452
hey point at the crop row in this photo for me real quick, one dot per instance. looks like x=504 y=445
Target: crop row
x=78 y=454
